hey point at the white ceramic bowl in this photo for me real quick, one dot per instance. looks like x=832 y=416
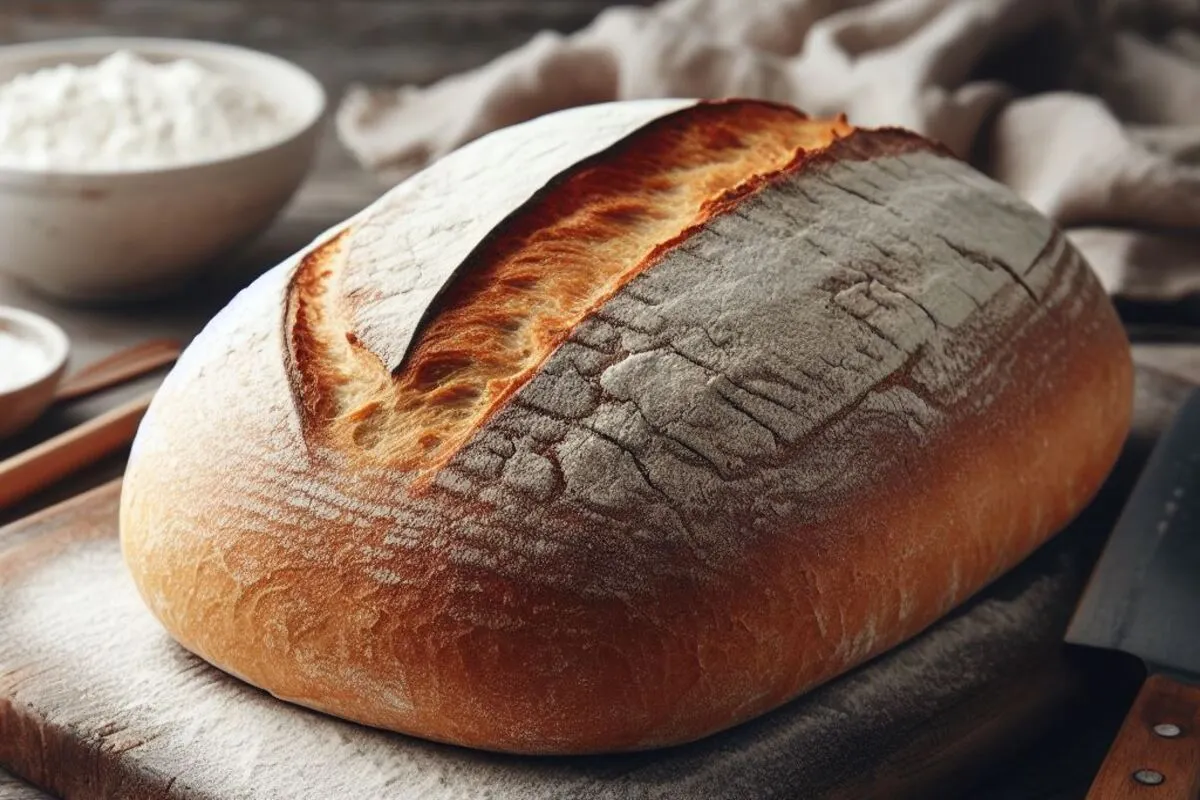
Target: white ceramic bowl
x=131 y=234
x=26 y=392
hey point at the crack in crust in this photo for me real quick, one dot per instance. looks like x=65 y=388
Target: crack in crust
x=549 y=266
x=326 y=363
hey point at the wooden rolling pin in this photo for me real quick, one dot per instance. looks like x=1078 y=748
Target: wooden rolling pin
x=70 y=451
x=124 y=365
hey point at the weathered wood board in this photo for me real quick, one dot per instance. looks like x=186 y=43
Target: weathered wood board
x=13 y=789
x=96 y=701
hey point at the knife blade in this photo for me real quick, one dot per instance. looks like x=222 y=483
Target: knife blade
x=1143 y=598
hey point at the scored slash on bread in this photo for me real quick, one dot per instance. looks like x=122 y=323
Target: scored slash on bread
x=619 y=427
x=517 y=296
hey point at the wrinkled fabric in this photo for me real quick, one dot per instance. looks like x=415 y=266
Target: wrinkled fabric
x=1088 y=111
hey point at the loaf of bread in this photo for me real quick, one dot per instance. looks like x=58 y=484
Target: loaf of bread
x=622 y=426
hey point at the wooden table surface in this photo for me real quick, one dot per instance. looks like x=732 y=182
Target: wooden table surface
x=376 y=41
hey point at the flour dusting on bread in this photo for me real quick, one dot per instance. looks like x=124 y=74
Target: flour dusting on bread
x=623 y=426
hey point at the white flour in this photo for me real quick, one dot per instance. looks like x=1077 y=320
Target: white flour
x=127 y=113
x=20 y=360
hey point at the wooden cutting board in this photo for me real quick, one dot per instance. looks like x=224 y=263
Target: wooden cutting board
x=13 y=789
x=96 y=701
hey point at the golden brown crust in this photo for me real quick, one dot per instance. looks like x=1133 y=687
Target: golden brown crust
x=303 y=317
x=860 y=387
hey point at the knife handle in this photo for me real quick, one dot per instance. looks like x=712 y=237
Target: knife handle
x=1156 y=755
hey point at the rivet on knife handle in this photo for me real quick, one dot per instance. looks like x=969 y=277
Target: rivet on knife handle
x=1143 y=599
x=1157 y=751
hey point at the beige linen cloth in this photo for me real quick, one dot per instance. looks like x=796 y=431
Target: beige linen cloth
x=1088 y=110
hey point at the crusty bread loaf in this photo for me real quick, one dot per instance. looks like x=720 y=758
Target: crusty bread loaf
x=616 y=428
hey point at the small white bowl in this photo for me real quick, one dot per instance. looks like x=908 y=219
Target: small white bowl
x=26 y=394
x=132 y=234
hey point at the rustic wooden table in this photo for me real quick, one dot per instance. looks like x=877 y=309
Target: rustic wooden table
x=378 y=41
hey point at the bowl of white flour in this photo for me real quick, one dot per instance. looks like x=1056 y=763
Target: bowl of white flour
x=128 y=166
